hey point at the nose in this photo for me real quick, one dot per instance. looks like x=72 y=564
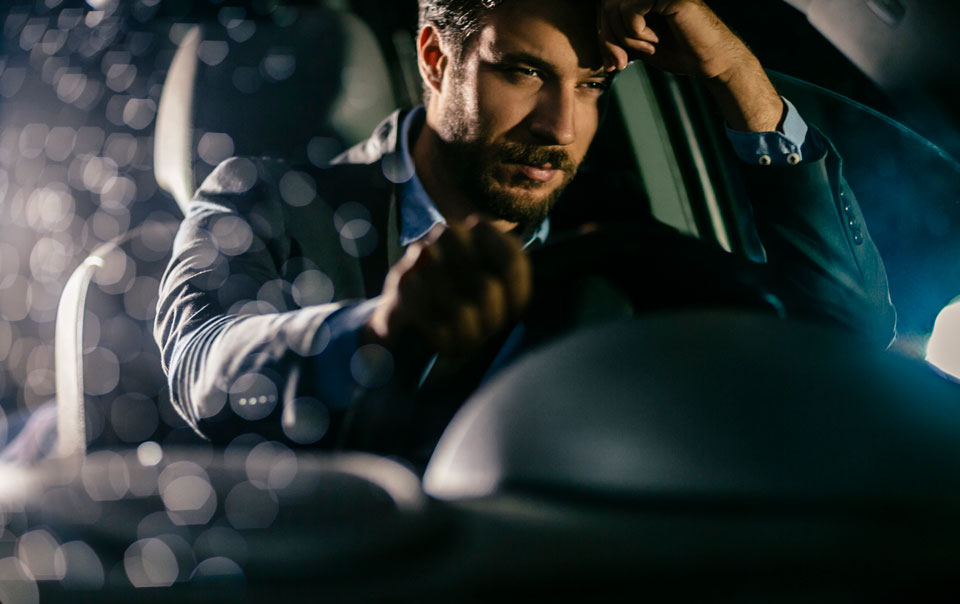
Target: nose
x=553 y=121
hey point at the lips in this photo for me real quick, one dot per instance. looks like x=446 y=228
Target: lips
x=544 y=173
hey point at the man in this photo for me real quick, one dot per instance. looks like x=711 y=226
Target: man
x=293 y=317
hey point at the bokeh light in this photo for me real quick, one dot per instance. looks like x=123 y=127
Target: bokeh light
x=943 y=348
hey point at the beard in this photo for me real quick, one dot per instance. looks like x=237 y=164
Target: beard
x=481 y=170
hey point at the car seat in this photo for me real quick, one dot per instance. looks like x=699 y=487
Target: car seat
x=302 y=83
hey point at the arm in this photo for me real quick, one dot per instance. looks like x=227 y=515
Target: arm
x=820 y=253
x=240 y=353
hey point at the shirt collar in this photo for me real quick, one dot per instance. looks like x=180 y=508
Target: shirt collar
x=418 y=213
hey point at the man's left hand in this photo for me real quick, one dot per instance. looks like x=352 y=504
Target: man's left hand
x=686 y=37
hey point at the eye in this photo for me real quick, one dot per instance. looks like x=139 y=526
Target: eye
x=599 y=86
x=523 y=73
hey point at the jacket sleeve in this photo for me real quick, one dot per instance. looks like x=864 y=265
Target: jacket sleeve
x=821 y=258
x=238 y=347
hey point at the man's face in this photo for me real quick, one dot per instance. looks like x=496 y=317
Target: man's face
x=520 y=108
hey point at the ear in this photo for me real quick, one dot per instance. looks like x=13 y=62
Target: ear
x=431 y=58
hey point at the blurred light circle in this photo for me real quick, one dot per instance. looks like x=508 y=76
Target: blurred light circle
x=54 y=39
x=239 y=175
x=279 y=64
x=140 y=301
x=943 y=347
x=134 y=417
x=213 y=52
x=214 y=147
x=9 y=263
x=36 y=549
x=71 y=86
x=156 y=237
x=396 y=168
x=121 y=76
x=101 y=371
x=89 y=140
x=221 y=541
x=150 y=563
x=117 y=193
x=116 y=274
x=15 y=298
x=60 y=142
x=348 y=212
x=149 y=453
x=53 y=69
x=178 y=469
x=7 y=336
x=51 y=208
x=249 y=507
x=4 y=184
x=276 y=293
x=91 y=95
x=311 y=288
x=69 y=18
x=245 y=79
x=231 y=16
x=298 y=188
x=253 y=396
x=231 y=234
x=217 y=568
x=49 y=259
x=372 y=366
x=78 y=567
x=272 y=465
x=11 y=80
x=97 y=172
x=17 y=586
x=104 y=475
x=121 y=148
x=358 y=238
x=32 y=32
x=33 y=138
x=242 y=31
x=189 y=500
x=139 y=113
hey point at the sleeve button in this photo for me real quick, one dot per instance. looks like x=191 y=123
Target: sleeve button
x=793 y=159
x=765 y=160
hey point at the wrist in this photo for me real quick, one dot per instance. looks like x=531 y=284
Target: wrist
x=747 y=98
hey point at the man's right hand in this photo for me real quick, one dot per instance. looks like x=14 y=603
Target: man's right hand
x=455 y=289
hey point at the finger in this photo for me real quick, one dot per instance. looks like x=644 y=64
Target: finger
x=609 y=49
x=495 y=250
x=504 y=257
x=492 y=303
x=637 y=35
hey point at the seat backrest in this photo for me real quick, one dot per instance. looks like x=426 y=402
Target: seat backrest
x=302 y=90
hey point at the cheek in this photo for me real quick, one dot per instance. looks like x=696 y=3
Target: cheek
x=501 y=106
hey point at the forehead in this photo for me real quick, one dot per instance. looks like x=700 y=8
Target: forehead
x=562 y=32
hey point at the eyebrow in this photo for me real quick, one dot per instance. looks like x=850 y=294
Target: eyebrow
x=539 y=63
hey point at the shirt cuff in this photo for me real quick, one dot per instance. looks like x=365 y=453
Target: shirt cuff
x=334 y=367
x=794 y=143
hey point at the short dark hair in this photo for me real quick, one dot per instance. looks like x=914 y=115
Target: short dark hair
x=456 y=20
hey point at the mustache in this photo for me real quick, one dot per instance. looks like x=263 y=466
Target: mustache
x=520 y=153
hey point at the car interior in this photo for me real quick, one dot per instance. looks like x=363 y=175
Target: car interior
x=669 y=434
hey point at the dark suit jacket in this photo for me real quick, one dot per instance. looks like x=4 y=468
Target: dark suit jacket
x=237 y=329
